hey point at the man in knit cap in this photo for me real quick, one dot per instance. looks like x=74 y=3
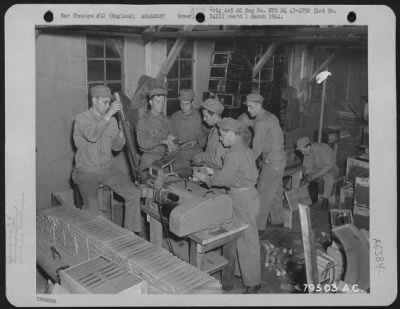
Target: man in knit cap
x=268 y=143
x=212 y=156
x=239 y=174
x=187 y=128
x=96 y=135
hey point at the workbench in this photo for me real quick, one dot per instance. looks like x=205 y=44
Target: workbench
x=201 y=243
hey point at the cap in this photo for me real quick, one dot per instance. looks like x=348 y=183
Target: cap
x=100 y=91
x=186 y=94
x=213 y=105
x=254 y=97
x=301 y=142
x=157 y=91
x=230 y=124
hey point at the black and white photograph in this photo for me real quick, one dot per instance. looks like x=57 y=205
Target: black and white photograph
x=163 y=155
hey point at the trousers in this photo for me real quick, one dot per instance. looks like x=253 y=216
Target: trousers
x=245 y=208
x=88 y=184
x=270 y=189
x=329 y=181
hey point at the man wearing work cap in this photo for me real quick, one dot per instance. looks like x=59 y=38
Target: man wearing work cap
x=319 y=162
x=212 y=156
x=187 y=128
x=239 y=174
x=96 y=134
x=154 y=129
x=268 y=143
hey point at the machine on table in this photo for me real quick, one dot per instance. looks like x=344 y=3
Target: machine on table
x=189 y=209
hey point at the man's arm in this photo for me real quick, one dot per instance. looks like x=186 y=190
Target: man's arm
x=91 y=130
x=260 y=135
x=118 y=141
x=146 y=141
x=227 y=173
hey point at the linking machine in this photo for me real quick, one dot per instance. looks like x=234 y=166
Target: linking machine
x=186 y=204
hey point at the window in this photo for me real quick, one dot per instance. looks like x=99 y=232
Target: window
x=104 y=57
x=180 y=76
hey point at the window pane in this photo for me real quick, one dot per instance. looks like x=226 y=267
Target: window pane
x=95 y=48
x=113 y=70
x=172 y=88
x=186 y=84
x=186 y=69
x=114 y=87
x=95 y=70
x=172 y=106
x=112 y=48
x=187 y=51
x=173 y=73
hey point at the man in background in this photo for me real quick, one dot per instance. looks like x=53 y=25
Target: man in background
x=269 y=144
x=319 y=163
x=212 y=156
x=187 y=128
x=153 y=129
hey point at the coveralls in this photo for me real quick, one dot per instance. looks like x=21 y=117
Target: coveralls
x=95 y=138
x=239 y=173
x=187 y=128
x=268 y=142
x=151 y=129
x=322 y=157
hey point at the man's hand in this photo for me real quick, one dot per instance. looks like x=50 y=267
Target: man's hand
x=189 y=144
x=198 y=159
x=114 y=108
x=305 y=181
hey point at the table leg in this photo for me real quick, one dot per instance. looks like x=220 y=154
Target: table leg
x=155 y=232
x=196 y=254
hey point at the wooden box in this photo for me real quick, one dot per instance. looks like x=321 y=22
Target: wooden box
x=361 y=217
x=346 y=197
x=356 y=167
x=101 y=276
x=361 y=192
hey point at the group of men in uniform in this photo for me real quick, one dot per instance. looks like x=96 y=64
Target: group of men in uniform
x=96 y=134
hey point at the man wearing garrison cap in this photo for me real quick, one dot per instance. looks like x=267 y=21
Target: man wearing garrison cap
x=154 y=129
x=268 y=144
x=319 y=162
x=212 y=156
x=96 y=135
x=187 y=128
x=239 y=174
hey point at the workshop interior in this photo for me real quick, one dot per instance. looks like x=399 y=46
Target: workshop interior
x=174 y=226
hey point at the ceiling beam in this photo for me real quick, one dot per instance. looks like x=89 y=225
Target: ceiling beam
x=266 y=32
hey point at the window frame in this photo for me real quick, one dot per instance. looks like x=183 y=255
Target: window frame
x=105 y=60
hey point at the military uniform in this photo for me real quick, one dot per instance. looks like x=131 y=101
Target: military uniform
x=95 y=138
x=322 y=157
x=187 y=127
x=239 y=173
x=268 y=142
x=212 y=156
x=151 y=129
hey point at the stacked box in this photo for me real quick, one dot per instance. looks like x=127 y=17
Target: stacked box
x=165 y=273
x=346 y=197
x=361 y=203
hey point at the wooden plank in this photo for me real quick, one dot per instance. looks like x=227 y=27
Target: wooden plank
x=310 y=255
x=173 y=54
x=264 y=58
